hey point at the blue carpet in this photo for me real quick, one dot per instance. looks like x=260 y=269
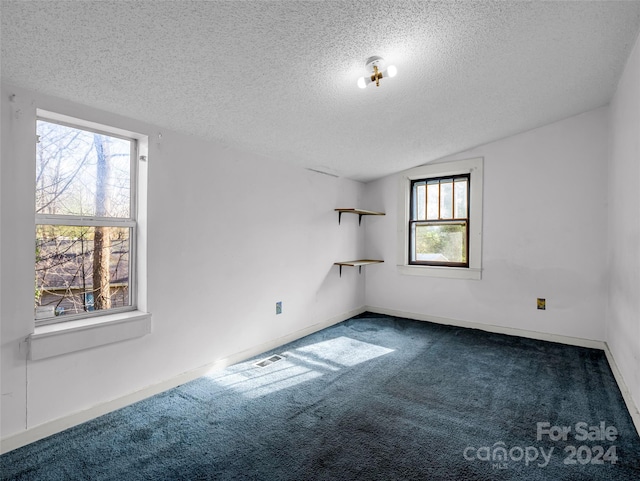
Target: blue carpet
x=372 y=398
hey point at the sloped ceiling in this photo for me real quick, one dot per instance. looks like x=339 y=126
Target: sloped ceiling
x=278 y=78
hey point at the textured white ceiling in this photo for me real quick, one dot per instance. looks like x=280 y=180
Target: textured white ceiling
x=279 y=77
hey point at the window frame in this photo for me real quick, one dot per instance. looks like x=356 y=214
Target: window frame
x=474 y=168
x=440 y=221
x=130 y=223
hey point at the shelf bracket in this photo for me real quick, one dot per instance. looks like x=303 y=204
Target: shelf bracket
x=340 y=270
x=359 y=269
x=360 y=213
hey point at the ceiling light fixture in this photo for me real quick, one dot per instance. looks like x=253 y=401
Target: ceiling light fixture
x=375 y=68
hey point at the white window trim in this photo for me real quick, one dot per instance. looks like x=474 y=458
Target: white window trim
x=53 y=339
x=474 y=167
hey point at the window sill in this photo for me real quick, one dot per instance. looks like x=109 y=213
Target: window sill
x=446 y=272
x=71 y=336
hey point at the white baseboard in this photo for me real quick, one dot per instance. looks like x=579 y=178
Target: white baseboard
x=49 y=428
x=626 y=394
x=511 y=331
x=572 y=341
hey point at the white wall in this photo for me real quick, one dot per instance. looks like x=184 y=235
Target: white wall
x=623 y=312
x=544 y=236
x=229 y=235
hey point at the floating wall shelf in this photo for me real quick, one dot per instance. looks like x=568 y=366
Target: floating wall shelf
x=358 y=264
x=359 y=212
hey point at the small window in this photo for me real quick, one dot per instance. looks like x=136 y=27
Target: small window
x=439 y=222
x=85 y=222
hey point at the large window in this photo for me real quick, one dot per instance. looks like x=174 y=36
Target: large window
x=85 y=222
x=439 y=222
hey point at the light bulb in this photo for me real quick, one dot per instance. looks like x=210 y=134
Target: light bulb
x=361 y=83
x=392 y=71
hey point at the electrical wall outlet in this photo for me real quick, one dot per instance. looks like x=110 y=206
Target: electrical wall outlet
x=279 y=307
x=542 y=303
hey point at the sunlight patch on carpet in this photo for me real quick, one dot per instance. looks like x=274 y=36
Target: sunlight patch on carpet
x=344 y=351
x=298 y=366
x=272 y=378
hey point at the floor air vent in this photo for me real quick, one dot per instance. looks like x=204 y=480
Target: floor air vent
x=270 y=360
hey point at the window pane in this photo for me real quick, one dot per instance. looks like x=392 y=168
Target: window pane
x=432 y=200
x=446 y=199
x=81 y=173
x=420 y=200
x=460 y=195
x=440 y=243
x=81 y=269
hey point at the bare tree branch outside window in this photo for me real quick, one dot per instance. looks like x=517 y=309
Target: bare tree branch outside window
x=83 y=220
